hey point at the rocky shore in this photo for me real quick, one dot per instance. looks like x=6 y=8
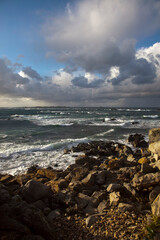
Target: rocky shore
x=112 y=191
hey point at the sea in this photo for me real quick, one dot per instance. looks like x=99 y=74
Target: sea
x=39 y=135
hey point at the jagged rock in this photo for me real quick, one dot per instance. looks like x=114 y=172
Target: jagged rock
x=146 y=168
x=101 y=177
x=137 y=140
x=53 y=214
x=76 y=186
x=81 y=160
x=49 y=173
x=143 y=160
x=33 y=191
x=58 y=185
x=90 y=210
x=91 y=220
x=130 y=189
x=131 y=158
x=156 y=206
x=154 y=141
x=156 y=165
x=84 y=200
x=32 y=218
x=147 y=180
x=154 y=193
x=114 y=198
x=102 y=207
x=114 y=187
x=90 y=179
x=78 y=173
x=99 y=195
x=123 y=207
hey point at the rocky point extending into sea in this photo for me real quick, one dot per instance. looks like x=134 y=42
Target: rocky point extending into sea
x=112 y=191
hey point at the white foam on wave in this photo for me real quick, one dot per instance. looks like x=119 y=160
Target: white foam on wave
x=3 y=135
x=17 y=158
x=104 y=133
x=150 y=116
x=44 y=120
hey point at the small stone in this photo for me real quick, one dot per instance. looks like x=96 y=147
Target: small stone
x=114 y=198
x=91 y=220
x=143 y=160
x=52 y=215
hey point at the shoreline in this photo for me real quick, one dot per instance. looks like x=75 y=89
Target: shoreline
x=104 y=195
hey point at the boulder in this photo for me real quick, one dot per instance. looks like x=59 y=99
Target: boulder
x=90 y=179
x=49 y=173
x=154 y=193
x=147 y=180
x=101 y=177
x=57 y=185
x=156 y=206
x=146 y=168
x=137 y=140
x=84 y=200
x=154 y=141
x=123 y=207
x=33 y=191
x=78 y=173
x=114 y=187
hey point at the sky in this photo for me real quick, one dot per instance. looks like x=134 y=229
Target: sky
x=80 y=53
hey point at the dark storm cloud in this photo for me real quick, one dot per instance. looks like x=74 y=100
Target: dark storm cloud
x=84 y=83
x=139 y=70
x=31 y=73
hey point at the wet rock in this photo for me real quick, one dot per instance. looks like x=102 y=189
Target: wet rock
x=91 y=220
x=33 y=191
x=156 y=206
x=114 y=198
x=137 y=140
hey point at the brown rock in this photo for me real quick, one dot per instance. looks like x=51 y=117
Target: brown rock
x=156 y=206
x=147 y=180
x=114 y=198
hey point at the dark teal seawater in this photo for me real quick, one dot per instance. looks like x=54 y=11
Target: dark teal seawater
x=38 y=135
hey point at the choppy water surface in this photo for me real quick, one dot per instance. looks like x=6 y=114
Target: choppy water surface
x=38 y=135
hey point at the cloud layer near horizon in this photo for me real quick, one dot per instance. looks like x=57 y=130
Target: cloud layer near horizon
x=95 y=39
